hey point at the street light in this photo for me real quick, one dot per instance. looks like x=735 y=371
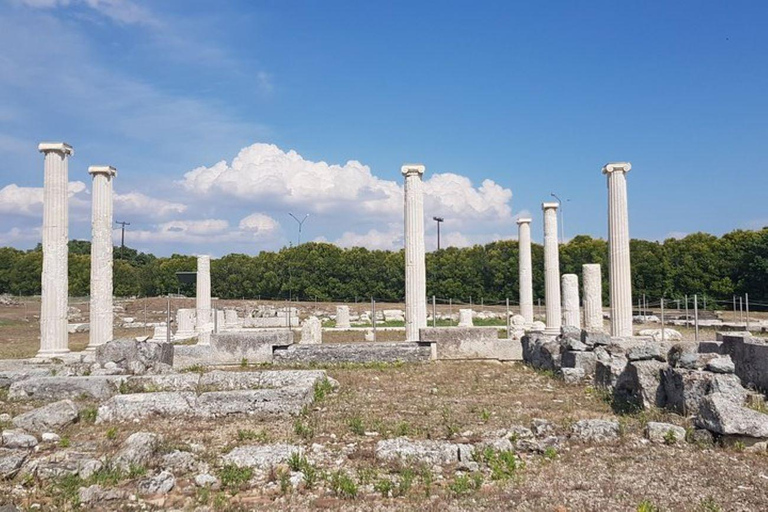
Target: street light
x=301 y=223
x=122 y=236
x=562 y=216
x=438 y=220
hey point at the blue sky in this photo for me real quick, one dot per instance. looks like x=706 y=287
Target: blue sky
x=504 y=102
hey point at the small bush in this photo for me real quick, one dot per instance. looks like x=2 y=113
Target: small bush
x=485 y=415
x=296 y=461
x=64 y=442
x=504 y=464
x=232 y=477
x=342 y=485
x=356 y=425
x=323 y=388
x=670 y=437
x=383 y=487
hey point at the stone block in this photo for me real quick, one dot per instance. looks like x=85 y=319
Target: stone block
x=750 y=358
x=710 y=347
x=132 y=355
x=664 y=433
x=471 y=343
x=718 y=413
x=639 y=385
x=47 y=418
x=8 y=377
x=58 y=388
x=311 y=331
x=354 y=353
x=121 y=408
x=596 y=430
x=541 y=351
x=430 y=452
x=586 y=361
x=685 y=389
x=263 y=457
x=286 y=401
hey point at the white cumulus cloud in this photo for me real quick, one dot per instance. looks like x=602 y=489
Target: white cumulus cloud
x=136 y=203
x=28 y=201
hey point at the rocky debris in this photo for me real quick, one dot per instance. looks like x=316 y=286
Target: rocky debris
x=664 y=433
x=261 y=456
x=8 y=377
x=137 y=357
x=679 y=350
x=143 y=405
x=572 y=375
x=429 y=452
x=702 y=437
x=5 y=417
x=595 y=339
x=96 y=495
x=542 y=352
x=10 y=462
x=541 y=426
x=695 y=361
x=311 y=331
x=161 y=483
x=50 y=437
x=166 y=382
x=720 y=414
x=18 y=439
x=596 y=430
x=585 y=361
x=639 y=385
x=137 y=450
x=685 y=389
x=8 y=300
x=656 y=334
x=179 y=462
x=80 y=327
x=62 y=463
x=58 y=388
x=53 y=416
x=721 y=365
x=608 y=368
x=648 y=351
x=206 y=480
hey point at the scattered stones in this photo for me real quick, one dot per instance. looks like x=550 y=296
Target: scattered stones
x=11 y=461
x=96 y=495
x=664 y=433
x=428 y=452
x=162 y=483
x=53 y=416
x=179 y=462
x=261 y=456
x=721 y=365
x=718 y=413
x=136 y=356
x=206 y=480
x=596 y=430
x=62 y=463
x=18 y=439
x=646 y=352
x=656 y=334
x=50 y=437
x=137 y=450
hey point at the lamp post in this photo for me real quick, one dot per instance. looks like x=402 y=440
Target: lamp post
x=562 y=217
x=438 y=220
x=301 y=223
x=122 y=236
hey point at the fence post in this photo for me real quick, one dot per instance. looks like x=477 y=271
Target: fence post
x=168 y=320
x=509 y=331
x=687 y=318
x=373 y=317
x=434 y=313
x=746 y=301
x=663 y=330
x=696 y=316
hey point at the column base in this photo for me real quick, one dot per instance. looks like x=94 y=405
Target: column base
x=51 y=353
x=552 y=331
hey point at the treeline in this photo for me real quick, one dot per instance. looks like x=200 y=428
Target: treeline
x=716 y=267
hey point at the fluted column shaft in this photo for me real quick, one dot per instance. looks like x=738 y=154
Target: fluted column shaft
x=551 y=269
x=101 y=256
x=415 y=264
x=204 y=318
x=571 y=311
x=55 y=282
x=525 y=270
x=593 y=297
x=618 y=243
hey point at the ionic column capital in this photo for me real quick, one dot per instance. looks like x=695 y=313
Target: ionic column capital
x=524 y=220
x=107 y=170
x=411 y=169
x=59 y=147
x=616 y=166
x=549 y=206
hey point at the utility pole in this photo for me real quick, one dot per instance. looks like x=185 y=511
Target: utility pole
x=301 y=223
x=122 y=236
x=562 y=217
x=438 y=220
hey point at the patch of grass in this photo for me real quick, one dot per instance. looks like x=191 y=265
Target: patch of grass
x=296 y=461
x=485 y=415
x=342 y=485
x=252 y=435
x=64 y=442
x=233 y=477
x=220 y=501
x=550 y=453
x=195 y=368
x=647 y=506
x=465 y=484
x=311 y=474
x=303 y=429
x=356 y=425
x=4 y=394
x=88 y=414
x=670 y=437
x=367 y=475
x=108 y=475
x=284 y=477
x=136 y=471
x=709 y=504
x=427 y=479
x=203 y=496
x=739 y=446
x=323 y=388
x=244 y=362
x=111 y=433
x=384 y=487
x=404 y=484
x=504 y=464
x=403 y=428
x=448 y=423
x=67 y=490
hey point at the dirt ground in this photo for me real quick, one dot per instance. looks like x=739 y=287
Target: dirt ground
x=457 y=401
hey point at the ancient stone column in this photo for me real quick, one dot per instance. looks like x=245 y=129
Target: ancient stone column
x=55 y=283
x=204 y=317
x=525 y=268
x=551 y=269
x=415 y=263
x=185 y=323
x=101 y=255
x=571 y=312
x=465 y=318
x=618 y=244
x=230 y=319
x=593 y=297
x=342 y=317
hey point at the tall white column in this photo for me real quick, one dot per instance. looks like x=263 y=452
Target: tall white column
x=593 y=297
x=101 y=255
x=618 y=243
x=204 y=318
x=571 y=311
x=525 y=269
x=415 y=263
x=551 y=269
x=55 y=282
x=342 y=317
